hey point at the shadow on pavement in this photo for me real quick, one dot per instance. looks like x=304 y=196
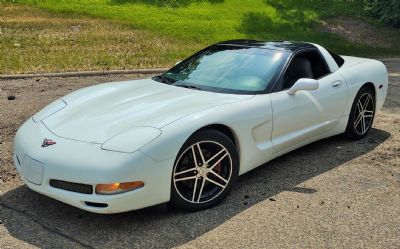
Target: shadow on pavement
x=46 y=223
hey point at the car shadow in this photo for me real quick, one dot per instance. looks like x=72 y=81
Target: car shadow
x=46 y=223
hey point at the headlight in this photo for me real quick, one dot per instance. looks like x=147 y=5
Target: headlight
x=132 y=140
x=49 y=110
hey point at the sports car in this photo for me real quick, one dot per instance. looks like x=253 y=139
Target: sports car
x=184 y=136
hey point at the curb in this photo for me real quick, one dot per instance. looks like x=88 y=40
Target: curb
x=389 y=59
x=83 y=73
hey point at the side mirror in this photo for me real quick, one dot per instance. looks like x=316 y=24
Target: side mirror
x=177 y=63
x=303 y=84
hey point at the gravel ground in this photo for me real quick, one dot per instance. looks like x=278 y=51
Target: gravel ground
x=333 y=193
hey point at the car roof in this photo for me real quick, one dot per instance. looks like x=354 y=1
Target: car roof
x=291 y=46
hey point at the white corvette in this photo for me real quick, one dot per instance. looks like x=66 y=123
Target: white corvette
x=185 y=136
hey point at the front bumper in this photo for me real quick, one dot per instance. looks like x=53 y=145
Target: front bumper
x=86 y=163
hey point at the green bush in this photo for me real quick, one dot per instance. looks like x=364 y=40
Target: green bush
x=388 y=11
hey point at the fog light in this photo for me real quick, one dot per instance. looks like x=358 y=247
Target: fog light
x=116 y=187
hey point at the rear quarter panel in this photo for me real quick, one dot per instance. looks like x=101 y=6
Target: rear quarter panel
x=359 y=71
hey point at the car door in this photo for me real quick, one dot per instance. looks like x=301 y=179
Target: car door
x=299 y=117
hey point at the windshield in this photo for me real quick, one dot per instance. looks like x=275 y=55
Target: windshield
x=225 y=68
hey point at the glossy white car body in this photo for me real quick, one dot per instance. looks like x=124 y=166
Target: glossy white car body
x=133 y=131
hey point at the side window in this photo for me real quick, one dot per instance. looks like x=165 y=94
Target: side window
x=304 y=65
x=338 y=59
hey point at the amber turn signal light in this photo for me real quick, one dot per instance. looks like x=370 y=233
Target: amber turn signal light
x=116 y=187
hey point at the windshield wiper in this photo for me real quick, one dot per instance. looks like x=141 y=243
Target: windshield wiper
x=188 y=86
x=165 y=79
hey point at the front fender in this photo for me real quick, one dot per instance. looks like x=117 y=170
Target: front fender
x=250 y=121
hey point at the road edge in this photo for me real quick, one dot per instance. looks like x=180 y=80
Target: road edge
x=82 y=73
x=109 y=72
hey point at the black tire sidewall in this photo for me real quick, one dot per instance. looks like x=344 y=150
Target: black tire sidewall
x=350 y=129
x=206 y=135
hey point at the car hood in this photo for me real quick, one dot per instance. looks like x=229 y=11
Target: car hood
x=98 y=113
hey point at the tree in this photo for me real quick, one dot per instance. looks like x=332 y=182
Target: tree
x=388 y=11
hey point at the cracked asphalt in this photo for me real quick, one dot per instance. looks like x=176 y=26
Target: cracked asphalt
x=334 y=193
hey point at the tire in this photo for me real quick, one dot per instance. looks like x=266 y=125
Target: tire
x=206 y=181
x=362 y=114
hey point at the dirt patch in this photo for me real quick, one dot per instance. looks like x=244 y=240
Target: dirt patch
x=359 y=31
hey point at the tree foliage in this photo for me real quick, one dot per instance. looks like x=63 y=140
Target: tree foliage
x=388 y=11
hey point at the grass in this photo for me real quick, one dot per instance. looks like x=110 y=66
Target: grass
x=59 y=35
x=33 y=40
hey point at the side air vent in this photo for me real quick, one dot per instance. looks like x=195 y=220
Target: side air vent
x=71 y=186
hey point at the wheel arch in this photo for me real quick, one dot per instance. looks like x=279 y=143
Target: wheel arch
x=351 y=128
x=371 y=86
x=226 y=130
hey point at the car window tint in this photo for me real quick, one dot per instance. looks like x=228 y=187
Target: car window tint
x=305 y=65
x=230 y=67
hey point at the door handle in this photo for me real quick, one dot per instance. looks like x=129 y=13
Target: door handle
x=336 y=84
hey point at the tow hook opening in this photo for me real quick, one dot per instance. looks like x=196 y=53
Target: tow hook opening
x=96 y=204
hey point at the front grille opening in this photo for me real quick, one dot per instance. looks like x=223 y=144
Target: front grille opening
x=95 y=204
x=71 y=186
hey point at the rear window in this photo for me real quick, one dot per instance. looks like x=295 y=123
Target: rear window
x=339 y=60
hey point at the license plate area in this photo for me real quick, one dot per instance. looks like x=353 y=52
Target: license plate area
x=32 y=170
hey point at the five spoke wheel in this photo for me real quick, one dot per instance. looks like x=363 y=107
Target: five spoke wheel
x=205 y=170
x=202 y=171
x=364 y=113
